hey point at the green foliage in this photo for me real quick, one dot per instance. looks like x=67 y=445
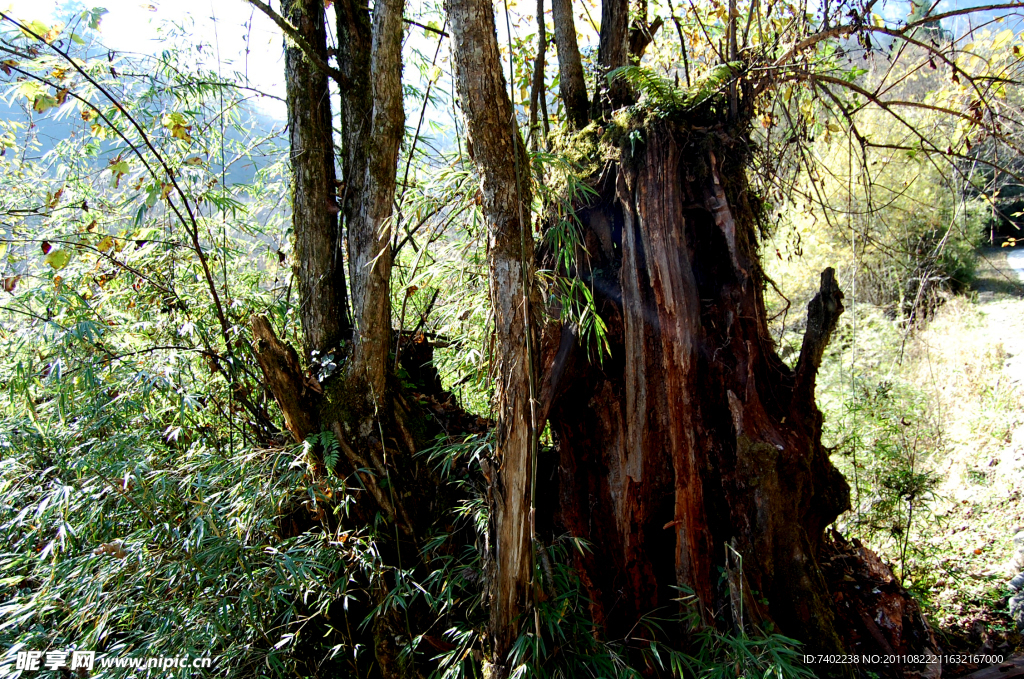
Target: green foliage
x=666 y=96
x=570 y=281
x=888 y=445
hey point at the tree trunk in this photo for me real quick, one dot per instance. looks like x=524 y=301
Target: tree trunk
x=355 y=37
x=319 y=262
x=571 y=85
x=500 y=155
x=693 y=434
x=538 y=88
x=612 y=53
x=369 y=234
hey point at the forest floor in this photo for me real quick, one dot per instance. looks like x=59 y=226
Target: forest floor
x=969 y=365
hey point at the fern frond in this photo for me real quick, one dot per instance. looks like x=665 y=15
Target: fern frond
x=660 y=92
x=663 y=95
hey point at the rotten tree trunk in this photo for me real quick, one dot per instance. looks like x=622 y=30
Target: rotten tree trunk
x=319 y=263
x=572 y=87
x=693 y=433
x=501 y=158
x=369 y=235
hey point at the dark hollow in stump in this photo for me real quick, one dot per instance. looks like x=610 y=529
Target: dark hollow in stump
x=693 y=433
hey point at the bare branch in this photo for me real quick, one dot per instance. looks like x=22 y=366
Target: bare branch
x=295 y=36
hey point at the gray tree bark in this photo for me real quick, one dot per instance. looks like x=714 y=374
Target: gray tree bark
x=612 y=53
x=319 y=263
x=500 y=156
x=369 y=234
x=572 y=87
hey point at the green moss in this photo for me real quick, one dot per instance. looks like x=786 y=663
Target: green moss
x=339 y=404
x=754 y=458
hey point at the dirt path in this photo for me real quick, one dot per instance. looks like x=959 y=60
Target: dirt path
x=1000 y=287
x=969 y=361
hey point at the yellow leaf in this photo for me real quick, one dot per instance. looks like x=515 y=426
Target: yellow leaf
x=58 y=259
x=43 y=103
x=877 y=20
x=105 y=244
x=1002 y=40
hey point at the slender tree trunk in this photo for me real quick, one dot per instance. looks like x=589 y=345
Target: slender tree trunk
x=538 y=90
x=355 y=37
x=572 y=86
x=612 y=53
x=501 y=157
x=369 y=235
x=319 y=266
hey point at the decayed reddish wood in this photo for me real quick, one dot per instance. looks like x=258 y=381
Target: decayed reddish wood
x=297 y=394
x=822 y=318
x=689 y=435
x=876 y=614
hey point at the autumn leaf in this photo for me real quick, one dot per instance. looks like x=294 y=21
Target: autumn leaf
x=43 y=102
x=11 y=282
x=94 y=16
x=89 y=115
x=177 y=124
x=119 y=168
x=37 y=27
x=1002 y=40
x=105 y=244
x=52 y=199
x=58 y=259
x=5 y=65
x=46 y=247
x=53 y=33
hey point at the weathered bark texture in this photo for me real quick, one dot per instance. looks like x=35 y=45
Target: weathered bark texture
x=501 y=158
x=538 y=88
x=355 y=37
x=319 y=263
x=874 y=613
x=641 y=35
x=612 y=53
x=369 y=234
x=693 y=433
x=572 y=87
x=297 y=394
